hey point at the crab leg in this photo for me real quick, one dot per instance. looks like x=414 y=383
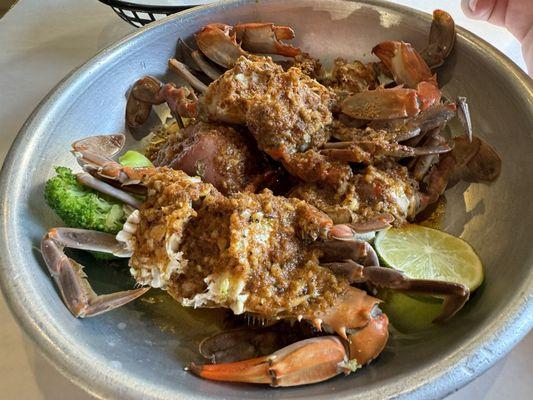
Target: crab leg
x=464 y=116
x=91 y=158
x=342 y=256
x=351 y=270
x=75 y=290
x=360 y=230
x=183 y=71
x=355 y=317
x=105 y=188
x=308 y=361
x=377 y=223
x=107 y=145
x=485 y=166
x=473 y=161
x=382 y=104
x=204 y=65
x=84 y=239
x=366 y=151
x=455 y=295
x=409 y=68
x=414 y=129
x=144 y=93
x=98 y=149
x=422 y=164
x=334 y=250
x=432 y=117
x=137 y=112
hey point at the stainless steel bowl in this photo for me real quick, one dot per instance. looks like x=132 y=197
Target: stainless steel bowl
x=139 y=351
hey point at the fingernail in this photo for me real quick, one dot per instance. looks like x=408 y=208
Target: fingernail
x=472 y=4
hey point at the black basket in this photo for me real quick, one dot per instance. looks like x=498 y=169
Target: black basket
x=139 y=15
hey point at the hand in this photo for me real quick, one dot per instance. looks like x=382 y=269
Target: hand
x=515 y=15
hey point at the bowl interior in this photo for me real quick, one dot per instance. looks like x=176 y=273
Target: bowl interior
x=139 y=350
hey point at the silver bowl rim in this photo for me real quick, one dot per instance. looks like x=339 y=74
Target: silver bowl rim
x=435 y=381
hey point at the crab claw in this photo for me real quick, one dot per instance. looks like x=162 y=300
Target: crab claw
x=265 y=38
x=224 y=44
x=149 y=91
x=218 y=43
x=308 y=361
x=367 y=343
x=240 y=344
x=144 y=93
x=441 y=39
x=106 y=145
x=94 y=155
x=405 y=63
x=352 y=310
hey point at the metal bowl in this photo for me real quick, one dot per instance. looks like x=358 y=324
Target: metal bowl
x=139 y=351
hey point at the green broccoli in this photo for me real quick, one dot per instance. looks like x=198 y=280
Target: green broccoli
x=82 y=207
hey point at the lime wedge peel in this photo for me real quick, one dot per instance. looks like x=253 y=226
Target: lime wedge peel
x=426 y=253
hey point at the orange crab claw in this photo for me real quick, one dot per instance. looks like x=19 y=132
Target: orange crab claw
x=224 y=44
x=219 y=44
x=408 y=67
x=352 y=310
x=265 y=38
x=428 y=94
x=405 y=63
x=308 y=361
x=367 y=343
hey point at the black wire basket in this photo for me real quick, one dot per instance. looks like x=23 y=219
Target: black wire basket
x=139 y=14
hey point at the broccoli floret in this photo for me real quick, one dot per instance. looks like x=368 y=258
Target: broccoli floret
x=82 y=207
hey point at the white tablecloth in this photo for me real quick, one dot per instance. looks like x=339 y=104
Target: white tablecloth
x=40 y=42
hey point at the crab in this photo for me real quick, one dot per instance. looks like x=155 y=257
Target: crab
x=268 y=256
x=219 y=42
x=388 y=193
x=373 y=199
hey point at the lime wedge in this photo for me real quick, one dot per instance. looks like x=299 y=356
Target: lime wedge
x=134 y=159
x=408 y=314
x=426 y=253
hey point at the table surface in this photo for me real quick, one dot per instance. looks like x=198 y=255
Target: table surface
x=39 y=46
